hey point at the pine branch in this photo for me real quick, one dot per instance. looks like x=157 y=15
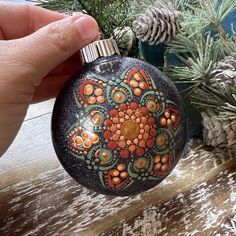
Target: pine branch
x=224 y=104
x=109 y=14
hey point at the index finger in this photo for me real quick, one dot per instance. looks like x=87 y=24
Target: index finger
x=20 y=20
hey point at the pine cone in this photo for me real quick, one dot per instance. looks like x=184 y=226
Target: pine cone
x=157 y=24
x=223 y=74
x=218 y=133
x=125 y=39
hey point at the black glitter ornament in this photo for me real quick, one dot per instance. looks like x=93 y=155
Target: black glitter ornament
x=118 y=126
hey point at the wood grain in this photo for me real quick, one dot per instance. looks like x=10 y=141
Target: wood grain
x=31 y=152
x=53 y=203
x=208 y=209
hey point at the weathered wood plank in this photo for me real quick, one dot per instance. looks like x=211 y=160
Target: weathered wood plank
x=39 y=109
x=54 y=204
x=208 y=209
x=30 y=154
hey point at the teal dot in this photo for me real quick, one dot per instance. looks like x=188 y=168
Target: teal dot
x=111 y=82
x=139 y=178
x=144 y=178
x=93 y=163
x=90 y=167
x=88 y=161
x=118 y=81
x=146 y=174
x=95 y=167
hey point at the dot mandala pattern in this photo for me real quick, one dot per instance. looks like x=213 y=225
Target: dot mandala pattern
x=125 y=130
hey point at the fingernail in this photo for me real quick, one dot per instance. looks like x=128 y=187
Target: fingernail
x=87 y=28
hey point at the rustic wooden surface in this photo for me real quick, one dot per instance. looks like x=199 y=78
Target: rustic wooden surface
x=37 y=197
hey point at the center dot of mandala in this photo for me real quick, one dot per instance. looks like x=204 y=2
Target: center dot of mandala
x=130 y=129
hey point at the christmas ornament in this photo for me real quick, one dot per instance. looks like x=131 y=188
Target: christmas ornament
x=159 y=23
x=118 y=126
x=218 y=133
x=223 y=74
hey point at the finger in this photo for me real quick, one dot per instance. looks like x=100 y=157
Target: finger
x=50 y=87
x=20 y=20
x=42 y=51
x=70 y=66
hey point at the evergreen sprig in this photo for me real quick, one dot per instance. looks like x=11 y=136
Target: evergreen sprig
x=223 y=103
x=109 y=14
x=197 y=47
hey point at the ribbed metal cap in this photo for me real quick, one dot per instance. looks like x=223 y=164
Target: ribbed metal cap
x=101 y=48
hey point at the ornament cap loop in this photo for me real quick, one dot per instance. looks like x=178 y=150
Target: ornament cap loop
x=101 y=48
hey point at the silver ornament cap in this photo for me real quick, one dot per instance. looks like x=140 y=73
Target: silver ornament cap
x=100 y=48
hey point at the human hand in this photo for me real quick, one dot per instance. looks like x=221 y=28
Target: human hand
x=38 y=53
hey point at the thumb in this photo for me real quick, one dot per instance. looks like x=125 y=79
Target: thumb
x=43 y=50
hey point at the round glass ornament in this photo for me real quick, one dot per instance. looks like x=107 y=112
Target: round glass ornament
x=118 y=126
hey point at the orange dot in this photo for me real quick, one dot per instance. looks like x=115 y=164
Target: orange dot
x=136 y=141
x=165 y=158
x=151 y=106
x=143 y=120
x=138 y=120
x=137 y=91
x=118 y=132
x=124 y=175
x=95 y=139
x=140 y=136
x=147 y=127
x=88 y=89
x=98 y=92
x=115 y=120
x=118 y=126
x=174 y=118
x=141 y=125
x=116 y=137
x=133 y=83
x=113 y=128
x=105 y=155
x=122 y=120
x=116 y=180
x=122 y=144
x=137 y=113
x=157 y=159
x=87 y=143
x=163 y=121
x=169 y=122
x=121 y=114
x=129 y=112
x=142 y=131
x=122 y=137
x=142 y=143
x=115 y=173
x=142 y=85
x=132 y=148
x=157 y=166
x=126 y=117
x=100 y=99
x=128 y=142
x=137 y=76
x=161 y=140
x=119 y=97
x=146 y=136
x=121 y=167
x=91 y=100
x=85 y=134
x=167 y=114
x=78 y=140
x=164 y=167
x=97 y=119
